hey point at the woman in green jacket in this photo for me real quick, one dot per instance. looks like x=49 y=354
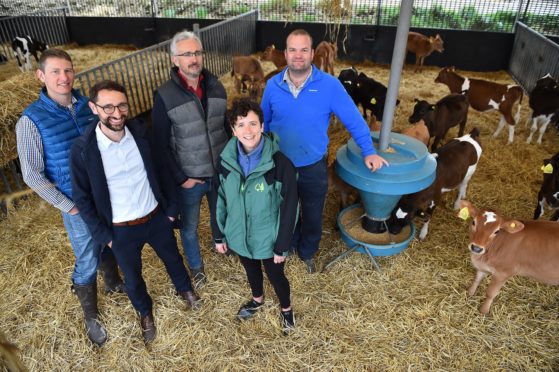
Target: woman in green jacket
x=257 y=207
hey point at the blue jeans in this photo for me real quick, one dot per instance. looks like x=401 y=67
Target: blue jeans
x=312 y=186
x=190 y=200
x=128 y=242
x=86 y=251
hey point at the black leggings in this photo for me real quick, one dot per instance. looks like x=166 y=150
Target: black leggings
x=275 y=274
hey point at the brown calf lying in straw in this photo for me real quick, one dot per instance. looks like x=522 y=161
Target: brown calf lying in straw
x=248 y=69
x=506 y=247
x=8 y=354
x=423 y=46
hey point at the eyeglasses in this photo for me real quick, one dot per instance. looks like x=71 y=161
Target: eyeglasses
x=109 y=109
x=197 y=53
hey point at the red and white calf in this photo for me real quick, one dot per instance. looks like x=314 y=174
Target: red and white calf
x=549 y=191
x=506 y=247
x=456 y=163
x=544 y=102
x=485 y=96
x=24 y=47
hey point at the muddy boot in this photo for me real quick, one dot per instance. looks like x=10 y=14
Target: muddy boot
x=111 y=277
x=87 y=294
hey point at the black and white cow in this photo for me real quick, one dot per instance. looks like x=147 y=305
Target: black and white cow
x=456 y=163
x=24 y=47
x=549 y=191
x=544 y=102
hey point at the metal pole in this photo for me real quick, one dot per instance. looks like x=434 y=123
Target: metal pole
x=398 y=57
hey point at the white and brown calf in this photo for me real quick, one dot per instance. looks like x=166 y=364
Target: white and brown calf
x=506 y=247
x=486 y=96
x=456 y=164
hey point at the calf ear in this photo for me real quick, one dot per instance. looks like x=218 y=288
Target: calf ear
x=512 y=226
x=469 y=207
x=415 y=100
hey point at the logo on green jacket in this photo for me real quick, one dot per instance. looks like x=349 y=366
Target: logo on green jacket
x=259 y=187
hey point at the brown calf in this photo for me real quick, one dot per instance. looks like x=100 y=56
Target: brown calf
x=418 y=131
x=348 y=194
x=506 y=247
x=325 y=55
x=277 y=57
x=248 y=69
x=486 y=95
x=423 y=46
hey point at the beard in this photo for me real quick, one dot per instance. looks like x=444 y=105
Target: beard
x=108 y=125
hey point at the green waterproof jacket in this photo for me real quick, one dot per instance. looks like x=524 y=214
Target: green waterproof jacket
x=256 y=215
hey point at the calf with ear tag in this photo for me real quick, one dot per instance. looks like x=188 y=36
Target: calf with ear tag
x=464 y=213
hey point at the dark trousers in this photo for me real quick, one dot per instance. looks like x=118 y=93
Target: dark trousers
x=275 y=274
x=312 y=186
x=128 y=242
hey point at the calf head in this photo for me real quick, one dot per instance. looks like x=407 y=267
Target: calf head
x=485 y=226
x=444 y=75
x=407 y=208
x=348 y=78
x=547 y=83
x=420 y=109
x=40 y=46
x=550 y=184
x=268 y=53
x=437 y=43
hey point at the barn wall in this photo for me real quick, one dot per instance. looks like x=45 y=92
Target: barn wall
x=468 y=50
x=141 y=32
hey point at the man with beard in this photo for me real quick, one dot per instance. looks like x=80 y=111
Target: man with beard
x=190 y=130
x=125 y=200
x=44 y=134
x=297 y=105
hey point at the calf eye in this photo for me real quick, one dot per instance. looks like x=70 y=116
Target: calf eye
x=473 y=223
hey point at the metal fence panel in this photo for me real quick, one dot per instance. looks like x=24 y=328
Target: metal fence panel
x=485 y=15
x=48 y=26
x=533 y=56
x=142 y=72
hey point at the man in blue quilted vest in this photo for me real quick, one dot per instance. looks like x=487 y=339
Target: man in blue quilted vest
x=44 y=134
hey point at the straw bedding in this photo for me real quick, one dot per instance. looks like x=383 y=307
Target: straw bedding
x=414 y=315
x=17 y=89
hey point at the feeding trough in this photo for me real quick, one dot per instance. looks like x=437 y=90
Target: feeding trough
x=411 y=169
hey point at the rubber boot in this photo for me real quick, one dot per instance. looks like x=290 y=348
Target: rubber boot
x=87 y=294
x=111 y=277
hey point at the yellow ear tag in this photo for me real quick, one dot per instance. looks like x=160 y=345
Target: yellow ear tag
x=432 y=107
x=548 y=169
x=373 y=101
x=512 y=225
x=464 y=213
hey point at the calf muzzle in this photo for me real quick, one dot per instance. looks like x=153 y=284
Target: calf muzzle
x=476 y=249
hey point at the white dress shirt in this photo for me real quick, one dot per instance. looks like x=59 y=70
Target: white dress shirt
x=129 y=189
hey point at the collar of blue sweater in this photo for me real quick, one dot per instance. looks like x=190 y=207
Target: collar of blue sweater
x=249 y=161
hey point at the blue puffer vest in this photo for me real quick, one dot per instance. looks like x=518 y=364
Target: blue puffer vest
x=58 y=129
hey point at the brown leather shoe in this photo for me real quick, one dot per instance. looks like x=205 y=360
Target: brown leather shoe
x=148 y=328
x=191 y=298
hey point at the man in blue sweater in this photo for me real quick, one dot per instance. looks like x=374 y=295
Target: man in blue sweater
x=297 y=105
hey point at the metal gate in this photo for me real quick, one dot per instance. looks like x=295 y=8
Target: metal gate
x=533 y=56
x=142 y=72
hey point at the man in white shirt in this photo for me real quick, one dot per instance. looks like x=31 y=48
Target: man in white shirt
x=125 y=200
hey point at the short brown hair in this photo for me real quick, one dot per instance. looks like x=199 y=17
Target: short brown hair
x=241 y=107
x=105 y=85
x=53 y=53
x=299 y=32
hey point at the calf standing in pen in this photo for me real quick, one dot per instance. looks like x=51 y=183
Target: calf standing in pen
x=544 y=102
x=549 y=191
x=325 y=55
x=448 y=112
x=506 y=247
x=277 y=57
x=423 y=46
x=24 y=47
x=486 y=95
x=248 y=69
x=456 y=163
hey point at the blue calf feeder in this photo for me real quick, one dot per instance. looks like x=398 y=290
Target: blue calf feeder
x=411 y=169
